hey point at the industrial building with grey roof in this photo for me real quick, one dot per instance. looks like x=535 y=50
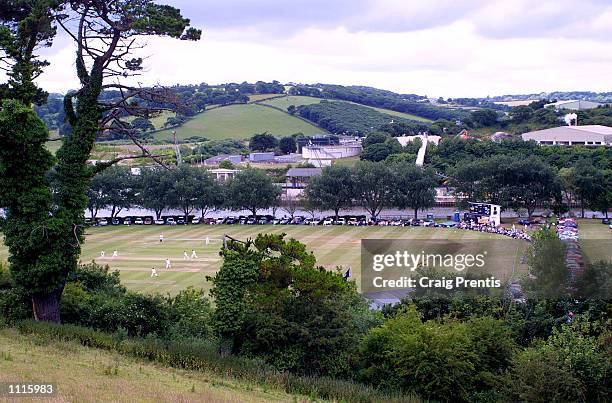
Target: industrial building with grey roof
x=589 y=136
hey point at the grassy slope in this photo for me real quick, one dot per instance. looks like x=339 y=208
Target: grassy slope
x=300 y=100
x=240 y=122
x=88 y=374
x=139 y=249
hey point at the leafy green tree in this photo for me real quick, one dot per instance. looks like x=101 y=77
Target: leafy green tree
x=188 y=185
x=263 y=142
x=115 y=187
x=589 y=184
x=41 y=263
x=568 y=366
x=251 y=190
x=521 y=113
x=442 y=361
x=154 y=188
x=546 y=260
x=377 y=152
x=414 y=187
x=332 y=190
x=374 y=138
x=142 y=124
x=227 y=164
x=484 y=117
x=373 y=186
x=288 y=145
x=285 y=310
x=291 y=109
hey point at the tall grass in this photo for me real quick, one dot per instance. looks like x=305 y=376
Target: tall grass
x=202 y=355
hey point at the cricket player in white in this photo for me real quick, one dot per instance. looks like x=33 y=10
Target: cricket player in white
x=115 y=253
x=161 y=238
x=185 y=255
x=153 y=272
x=102 y=254
x=194 y=255
x=168 y=265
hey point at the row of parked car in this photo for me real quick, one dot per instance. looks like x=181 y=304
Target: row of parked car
x=357 y=221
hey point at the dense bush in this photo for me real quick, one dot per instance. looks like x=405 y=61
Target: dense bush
x=448 y=361
x=568 y=366
x=275 y=304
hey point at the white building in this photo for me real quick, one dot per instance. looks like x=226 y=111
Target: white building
x=590 y=136
x=576 y=105
x=409 y=139
x=331 y=152
x=223 y=175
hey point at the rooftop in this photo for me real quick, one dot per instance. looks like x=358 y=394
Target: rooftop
x=572 y=133
x=304 y=172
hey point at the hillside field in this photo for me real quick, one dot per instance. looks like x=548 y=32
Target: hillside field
x=240 y=122
x=337 y=246
x=83 y=374
x=285 y=102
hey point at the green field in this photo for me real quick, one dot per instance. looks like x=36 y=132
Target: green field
x=140 y=250
x=83 y=374
x=240 y=122
x=285 y=102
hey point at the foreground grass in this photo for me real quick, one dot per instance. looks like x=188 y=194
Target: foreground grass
x=240 y=122
x=86 y=374
x=336 y=246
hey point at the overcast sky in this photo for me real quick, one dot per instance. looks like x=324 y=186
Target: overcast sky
x=447 y=48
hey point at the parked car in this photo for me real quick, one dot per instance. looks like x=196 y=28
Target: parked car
x=328 y=221
x=448 y=224
x=297 y=220
x=148 y=221
x=127 y=221
x=276 y=221
x=102 y=223
x=220 y=220
x=170 y=221
x=251 y=221
x=605 y=221
x=340 y=221
x=523 y=221
x=89 y=221
x=159 y=222
x=263 y=221
x=139 y=221
x=115 y=221
x=195 y=220
x=284 y=221
x=181 y=221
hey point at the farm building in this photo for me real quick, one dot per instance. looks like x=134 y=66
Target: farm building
x=577 y=105
x=297 y=178
x=590 y=136
x=235 y=159
x=331 y=152
x=261 y=157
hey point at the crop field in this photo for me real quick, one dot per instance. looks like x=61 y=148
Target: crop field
x=240 y=122
x=285 y=102
x=139 y=249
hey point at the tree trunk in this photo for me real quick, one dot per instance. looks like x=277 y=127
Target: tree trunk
x=254 y=211
x=46 y=307
x=582 y=207
x=336 y=211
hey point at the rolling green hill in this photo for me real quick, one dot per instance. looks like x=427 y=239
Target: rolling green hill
x=285 y=102
x=240 y=121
